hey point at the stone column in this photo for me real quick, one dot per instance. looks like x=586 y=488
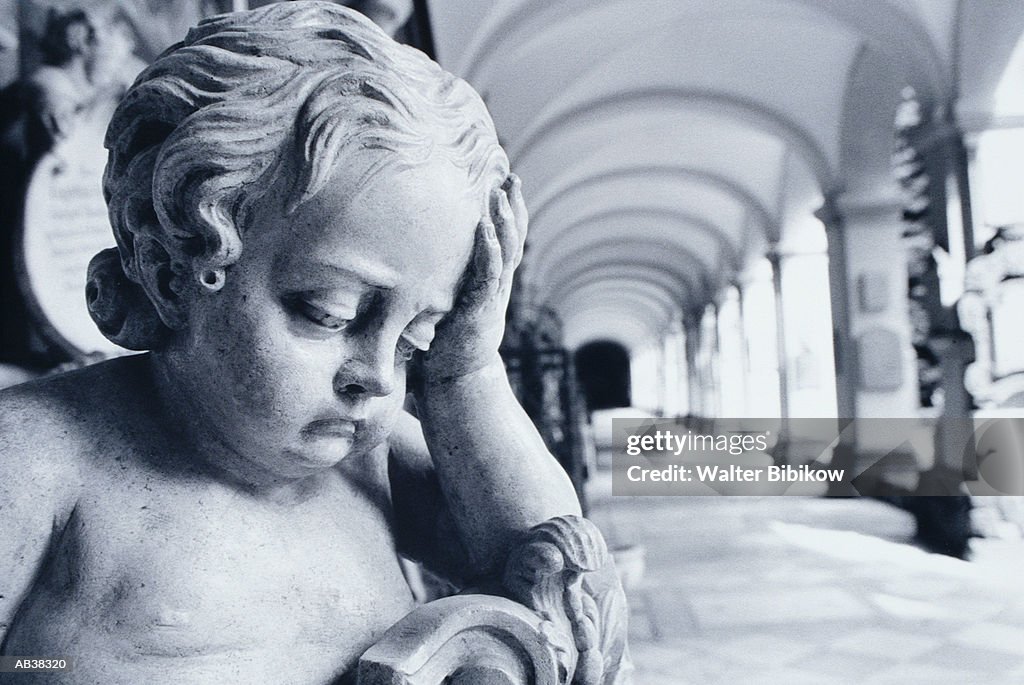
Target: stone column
x=765 y=334
x=732 y=376
x=710 y=390
x=845 y=453
x=935 y=167
x=675 y=369
x=839 y=290
x=691 y=326
x=775 y=260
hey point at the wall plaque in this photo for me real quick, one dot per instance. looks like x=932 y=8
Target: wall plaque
x=65 y=224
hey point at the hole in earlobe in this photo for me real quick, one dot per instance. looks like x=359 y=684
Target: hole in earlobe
x=92 y=292
x=212 y=279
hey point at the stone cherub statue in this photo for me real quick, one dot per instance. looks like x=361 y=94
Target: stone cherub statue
x=309 y=219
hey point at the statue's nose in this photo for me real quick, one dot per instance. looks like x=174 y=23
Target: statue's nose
x=369 y=371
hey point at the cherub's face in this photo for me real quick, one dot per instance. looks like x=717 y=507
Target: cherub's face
x=301 y=358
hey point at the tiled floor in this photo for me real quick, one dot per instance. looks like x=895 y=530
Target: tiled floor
x=811 y=590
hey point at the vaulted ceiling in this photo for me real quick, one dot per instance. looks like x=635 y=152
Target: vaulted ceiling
x=665 y=144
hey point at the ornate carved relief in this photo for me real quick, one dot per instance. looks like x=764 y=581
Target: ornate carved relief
x=990 y=311
x=566 y=625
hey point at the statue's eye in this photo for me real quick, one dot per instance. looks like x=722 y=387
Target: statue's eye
x=319 y=316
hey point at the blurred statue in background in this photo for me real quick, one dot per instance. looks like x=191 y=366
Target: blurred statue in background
x=990 y=310
x=40 y=108
x=83 y=59
x=65 y=84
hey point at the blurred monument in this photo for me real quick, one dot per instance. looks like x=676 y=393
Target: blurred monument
x=75 y=58
x=990 y=311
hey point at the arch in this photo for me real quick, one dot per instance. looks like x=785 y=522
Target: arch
x=638 y=309
x=886 y=26
x=768 y=222
x=746 y=110
x=686 y=289
x=602 y=368
x=692 y=277
x=645 y=289
x=703 y=286
x=990 y=55
x=635 y=214
x=666 y=309
x=607 y=322
x=899 y=35
x=632 y=274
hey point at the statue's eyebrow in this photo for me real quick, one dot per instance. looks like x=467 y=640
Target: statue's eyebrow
x=373 y=276
x=368 y=275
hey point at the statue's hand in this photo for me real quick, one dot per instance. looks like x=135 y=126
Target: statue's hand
x=468 y=338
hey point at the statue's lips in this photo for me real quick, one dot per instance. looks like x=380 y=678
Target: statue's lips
x=331 y=428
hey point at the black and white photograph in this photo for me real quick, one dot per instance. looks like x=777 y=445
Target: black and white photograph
x=511 y=342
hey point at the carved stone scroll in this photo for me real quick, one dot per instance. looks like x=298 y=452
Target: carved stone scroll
x=567 y=625
x=562 y=571
x=463 y=639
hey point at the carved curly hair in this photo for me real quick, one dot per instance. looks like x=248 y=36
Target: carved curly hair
x=212 y=124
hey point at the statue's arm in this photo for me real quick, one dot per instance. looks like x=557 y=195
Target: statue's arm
x=487 y=502
x=424 y=528
x=494 y=477
x=476 y=478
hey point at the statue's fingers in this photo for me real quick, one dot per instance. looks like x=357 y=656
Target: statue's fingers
x=515 y=197
x=508 y=236
x=486 y=262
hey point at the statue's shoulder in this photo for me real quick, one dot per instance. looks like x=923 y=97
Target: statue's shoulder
x=40 y=456
x=29 y=411
x=58 y=417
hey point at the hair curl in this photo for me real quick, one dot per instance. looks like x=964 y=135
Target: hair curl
x=206 y=129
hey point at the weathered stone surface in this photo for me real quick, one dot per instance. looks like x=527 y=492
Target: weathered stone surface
x=575 y=633
x=467 y=637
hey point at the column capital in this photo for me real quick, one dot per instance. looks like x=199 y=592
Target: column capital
x=839 y=208
x=830 y=213
x=760 y=270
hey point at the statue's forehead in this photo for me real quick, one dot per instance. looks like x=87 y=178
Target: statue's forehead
x=369 y=178
x=395 y=205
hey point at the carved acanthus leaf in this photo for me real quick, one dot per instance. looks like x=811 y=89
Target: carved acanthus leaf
x=563 y=571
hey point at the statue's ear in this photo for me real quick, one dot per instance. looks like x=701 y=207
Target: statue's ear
x=163 y=283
